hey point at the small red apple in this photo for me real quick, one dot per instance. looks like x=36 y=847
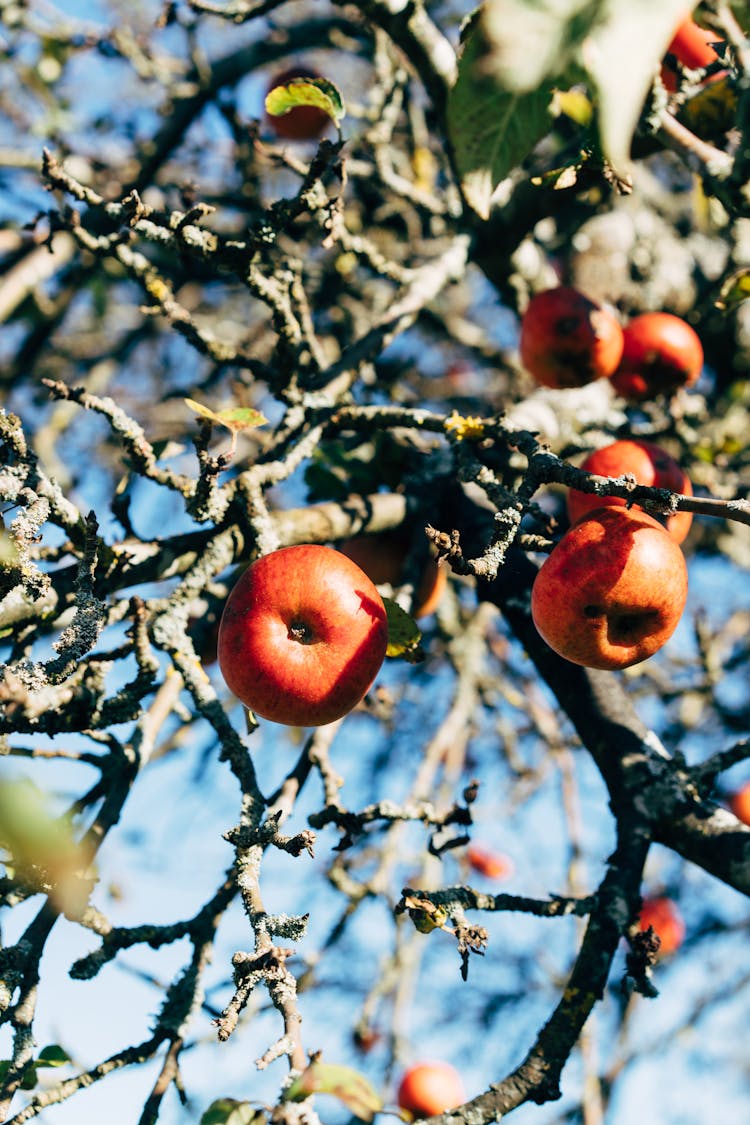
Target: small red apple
x=649 y=464
x=661 y=353
x=302 y=636
x=489 y=863
x=739 y=803
x=382 y=557
x=691 y=46
x=612 y=591
x=567 y=339
x=661 y=914
x=304 y=122
x=429 y=1088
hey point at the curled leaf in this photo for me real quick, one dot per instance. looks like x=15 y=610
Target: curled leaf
x=425 y=915
x=735 y=290
x=318 y=92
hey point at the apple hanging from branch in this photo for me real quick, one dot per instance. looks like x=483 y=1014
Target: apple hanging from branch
x=649 y=464
x=612 y=591
x=661 y=353
x=302 y=636
x=568 y=340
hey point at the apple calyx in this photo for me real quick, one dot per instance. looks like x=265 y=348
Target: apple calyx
x=302 y=632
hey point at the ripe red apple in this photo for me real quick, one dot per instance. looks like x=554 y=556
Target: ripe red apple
x=302 y=636
x=567 y=339
x=661 y=353
x=304 y=122
x=691 y=46
x=661 y=914
x=739 y=803
x=612 y=591
x=382 y=557
x=489 y=863
x=429 y=1088
x=649 y=464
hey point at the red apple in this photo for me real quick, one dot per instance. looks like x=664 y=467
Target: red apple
x=429 y=1088
x=661 y=353
x=739 y=803
x=661 y=914
x=491 y=864
x=691 y=46
x=302 y=636
x=567 y=339
x=612 y=591
x=304 y=122
x=382 y=557
x=649 y=464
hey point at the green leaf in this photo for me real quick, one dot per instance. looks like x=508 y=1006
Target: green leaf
x=622 y=55
x=492 y=129
x=403 y=633
x=306 y=91
x=236 y=418
x=54 y=1055
x=229 y=1111
x=522 y=47
x=343 y=1082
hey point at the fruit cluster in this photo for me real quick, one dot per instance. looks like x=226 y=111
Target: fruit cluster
x=612 y=591
x=567 y=340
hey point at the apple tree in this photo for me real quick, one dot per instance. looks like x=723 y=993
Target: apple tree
x=264 y=267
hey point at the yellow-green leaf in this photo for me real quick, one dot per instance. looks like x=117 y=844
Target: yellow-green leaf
x=403 y=633
x=342 y=1082
x=318 y=92
x=236 y=418
x=735 y=290
x=575 y=104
